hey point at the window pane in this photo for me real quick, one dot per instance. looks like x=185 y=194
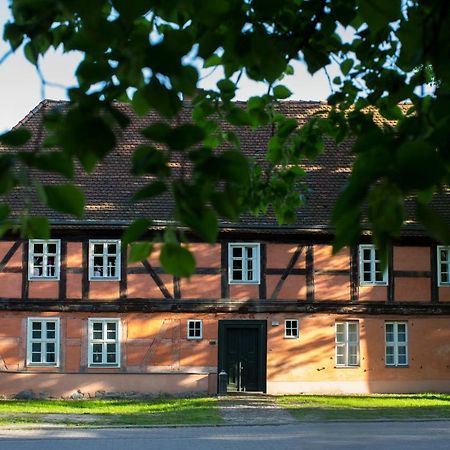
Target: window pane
x=112 y=249
x=389 y=328
x=51 y=248
x=111 y=358
x=237 y=275
x=38 y=248
x=237 y=252
x=50 y=357
x=50 y=347
x=36 y=347
x=249 y=252
x=237 y=264
x=36 y=357
x=98 y=249
x=367 y=254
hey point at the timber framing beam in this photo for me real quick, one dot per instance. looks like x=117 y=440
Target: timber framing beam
x=224 y=306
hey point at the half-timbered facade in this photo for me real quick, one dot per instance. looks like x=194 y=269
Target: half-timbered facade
x=268 y=305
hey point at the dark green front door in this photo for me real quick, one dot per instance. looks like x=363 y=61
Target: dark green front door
x=242 y=354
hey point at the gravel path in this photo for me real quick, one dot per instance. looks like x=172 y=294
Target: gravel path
x=253 y=410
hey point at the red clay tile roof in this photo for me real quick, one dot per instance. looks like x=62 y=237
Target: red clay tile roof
x=110 y=187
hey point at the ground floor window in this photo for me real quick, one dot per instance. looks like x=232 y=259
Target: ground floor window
x=291 y=328
x=43 y=342
x=396 y=339
x=194 y=329
x=104 y=342
x=347 y=344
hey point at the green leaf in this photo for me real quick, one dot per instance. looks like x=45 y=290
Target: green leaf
x=281 y=92
x=346 y=66
x=37 y=227
x=136 y=230
x=16 y=138
x=177 y=260
x=4 y=211
x=433 y=222
x=239 y=117
x=140 y=251
x=213 y=60
x=148 y=159
x=66 y=198
x=151 y=190
x=185 y=136
x=158 y=131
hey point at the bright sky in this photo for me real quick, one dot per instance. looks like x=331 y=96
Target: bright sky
x=20 y=86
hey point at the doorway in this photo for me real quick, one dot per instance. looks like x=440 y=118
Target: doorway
x=242 y=354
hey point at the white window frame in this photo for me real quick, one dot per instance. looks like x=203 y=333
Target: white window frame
x=396 y=344
x=43 y=340
x=188 y=330
x=441 y=248
x=346 y=344
x=296 y=328
x=105 y=242
x=31 y=253
x=104 y=341
x=373 y=261
x=256 y=246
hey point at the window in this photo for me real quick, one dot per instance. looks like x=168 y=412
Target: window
x=370 y=272
x=43 y=259
x=291 y=328
x=243 y=263
x=43 y=342
x=104 y=342
x=443 y=264
x=396 y=338
x=194 y=329
x=347 y=344
x=104 y=260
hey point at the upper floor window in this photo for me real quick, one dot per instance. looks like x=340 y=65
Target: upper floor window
x=104 y=342
x=291 y=328
x=243 y=264
x=194 y=329
x=347 y=344
x=396 y=340
x=43 y=342
x=443 y=265
x=370 y=271
x=43 y=259
x=104 y=259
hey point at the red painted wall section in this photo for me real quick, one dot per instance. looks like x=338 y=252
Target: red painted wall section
x=293 y=288
x=373 y=293
x=279 y=255
x=206 y=255
x=412 y=289
x=201 y=286
x=108 y=290
x=412 y=258
x=43 y=289
x=11 y=283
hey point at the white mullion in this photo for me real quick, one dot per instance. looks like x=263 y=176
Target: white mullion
x=244 y=264
x=105 y=260
x=104 y=341
x=373 y=266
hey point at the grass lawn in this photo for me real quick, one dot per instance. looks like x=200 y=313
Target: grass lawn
x=111 y=412
x=389 y=406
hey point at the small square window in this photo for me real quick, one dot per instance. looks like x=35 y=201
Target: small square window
x=243 y=263
x=370 y=272
x=194 y=329
x=291 y=328
x=443 y=265
x=43 y=259
x=104 y=260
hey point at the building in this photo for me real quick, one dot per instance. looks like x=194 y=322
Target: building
x=267 y=304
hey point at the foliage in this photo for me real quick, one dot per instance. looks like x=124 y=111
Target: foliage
x=147 y=52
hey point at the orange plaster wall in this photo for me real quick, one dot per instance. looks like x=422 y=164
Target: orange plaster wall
x=244 y=291
x=74 y=285
x=279 y=255
x=412 y=289
x=16 y=259
x=444 y=294
x=201 y=286
x=412 y=258
x=143 y=286
x=332 y=287
x=373 y=293
x=324 y=259
x=43 y=289
x=74 y=254
x=294 y=287
x=104 y=290
x=10 y=285
x=206 y=255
